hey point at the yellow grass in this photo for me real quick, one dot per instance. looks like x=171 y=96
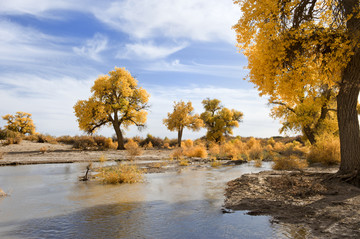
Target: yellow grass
x=325 y=151
x=196 y=151
x=183 y=162
x=133 y=149
x=289 y=163
x=215 y=163
x=102 y=158
x=43 y=149
x=122 y=173
x=177 y=153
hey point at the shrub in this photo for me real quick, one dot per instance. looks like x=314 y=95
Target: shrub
x=289 y=163
x=109 y=144
x=255 y=151
x=177 y=153
x=102 y=158
x=325 y=151
x=167 y=146
x=196 y=151
x=84 y=142
x=183 y=162
x=215 y=163
x=188 y=143
x=258 y=163
x=229 y=149
x=43 y=149
x=149 y=146
x=214 y=149
x=122 y=173
x=66 y=139
x=132 y=149
x=46 y=139
x=155 y=141
x=271 y=142
x=15 y=140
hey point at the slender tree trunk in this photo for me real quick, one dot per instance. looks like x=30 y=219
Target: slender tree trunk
x=180 y=132
x=309 y=133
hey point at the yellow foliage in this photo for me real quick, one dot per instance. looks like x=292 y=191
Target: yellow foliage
x=122 y=173
x=325 y=151
x=21 y=122
x=149 y=146
x=215 y=163
x=177 y=153
x=183 y=162
x=102 y=158
x=43 y=149
x=182 y=117
x=188 y=143
x=291 y=163
x=133 y=149
x=116 y=100
x=214 y=149
x=196 y=151
x=218 y=120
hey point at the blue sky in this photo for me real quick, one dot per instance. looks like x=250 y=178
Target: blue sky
x=52 y=51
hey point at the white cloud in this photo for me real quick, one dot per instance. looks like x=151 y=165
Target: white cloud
x=148 y=51
x=93 y=47
x=232 y=71
x=201 y=20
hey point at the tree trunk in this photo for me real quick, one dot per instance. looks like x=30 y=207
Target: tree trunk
x=120 y=138
x=346 y=103
x=180 y=132
x=309 y=134
x=349 y=128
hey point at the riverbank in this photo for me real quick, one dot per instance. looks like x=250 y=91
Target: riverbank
x=309 y=199
x=44 y=153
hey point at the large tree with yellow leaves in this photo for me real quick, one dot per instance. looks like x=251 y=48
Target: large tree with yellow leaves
x=183 y=117
x=116 y=100
x=218 y=120
x=301 y=45
x=21 y=122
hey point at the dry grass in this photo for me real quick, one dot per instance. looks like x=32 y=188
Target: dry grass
x=102 y=159
x=196 y=151
x=187 y=143
x=2 y=155
x=149 y=146
x=325 y=151
x=2 y=193
x=15 y=140
x=133 y=149
x=258 y=163
x=177 y=153
x=215 y=163
x=43 y=149
x=122 y=173
x=214 y=149
x=289 y=163
x=183 y=162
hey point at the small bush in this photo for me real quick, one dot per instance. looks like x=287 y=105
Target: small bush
x=325 y=151
x=188 y=143
x=215 y=163
x=229 y=149
x=43 y=149
x=196 y=151
x=122 y=173
x=258 y=163
x=109 y=144
x=167 y=146
x=16 y=140
x=84 y=142
x=133 y=149
x=149 y=146
x=155 y=141
x=102 y=159
x=66 y=139
x=289 y=163
x=183 y=162
x=177 y=153
x=46 y=139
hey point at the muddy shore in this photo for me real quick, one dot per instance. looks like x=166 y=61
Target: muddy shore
x=310 y=200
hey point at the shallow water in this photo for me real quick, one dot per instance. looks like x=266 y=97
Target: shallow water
x=48 y=201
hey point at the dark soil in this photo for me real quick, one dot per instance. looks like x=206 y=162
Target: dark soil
x=328 y=207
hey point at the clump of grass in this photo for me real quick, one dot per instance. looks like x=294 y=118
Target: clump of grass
x=258 y=163
x=183 y=162
x=122 y=173
x=177 y=153
x=196 y=151
x=15 y=140
x=102 y=158
x=325 y=151
x=187 y=143
x=2 y=155
x=215 y=163
x=149 y=146
x=289 y=163
x=133 y=149
x=166 y=146
x=43 y=149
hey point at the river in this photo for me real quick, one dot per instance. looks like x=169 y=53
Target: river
x=48 y=201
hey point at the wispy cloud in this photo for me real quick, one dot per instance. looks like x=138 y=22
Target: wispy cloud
x=148 y=51
x=232 y=71
x=201 y=20
x=93 y=47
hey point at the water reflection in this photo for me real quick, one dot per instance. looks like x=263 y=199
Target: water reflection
x=48 y=202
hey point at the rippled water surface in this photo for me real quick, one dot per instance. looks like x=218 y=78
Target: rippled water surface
x=48 y=201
